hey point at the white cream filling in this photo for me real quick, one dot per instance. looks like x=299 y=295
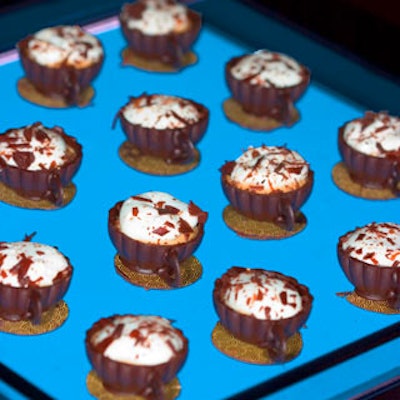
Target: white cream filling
x=141 y=220
x=162 y=112
x=376 y=243
x=268 y=69
x=43 y=263
x=267 y=169
x=376 y=139
x=153 y=341
x=49 y=151
x=263 y=298
x=65 y=44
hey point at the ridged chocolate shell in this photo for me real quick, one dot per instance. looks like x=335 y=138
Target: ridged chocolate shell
x=173 y=145
x=271 y=334
x=277 y=206
x=265 y=101
x=370 y=171
x=28 y=303
x=63 y=82
x=150 y=258
x=143 y=380
x=169 y=48
x=47 y=183
x=372 y=282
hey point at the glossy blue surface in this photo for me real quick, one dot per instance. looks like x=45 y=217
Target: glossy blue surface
x=57 y=363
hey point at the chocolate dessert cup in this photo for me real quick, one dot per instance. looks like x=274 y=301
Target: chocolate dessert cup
x=373 y=282
x=175 y=146
x=46 y=184
x=273 y=102
x=169 y=48
x=66 y=83
x=278 y=207
x=148 y=258
x=265 y=333
x=123 y=378
x=371 y=171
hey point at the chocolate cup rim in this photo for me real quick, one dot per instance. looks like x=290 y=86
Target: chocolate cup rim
x=356 y=269
x=14 y=176
x=246 y=324
x=176 y=362
x=299 y=195
x=386 y=165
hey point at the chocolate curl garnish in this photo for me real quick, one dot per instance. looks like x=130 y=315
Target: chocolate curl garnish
x=175 y=56
x=394 y=295
x=55 y=194
x=28 y=238
x=35 y=308
x=275 y=344
x=170 y=272
x=287 y=109
x=286 y=217
x=183 y=148
x=72 y=87
x=395 y=184
x=154 y=389
x=201 y=215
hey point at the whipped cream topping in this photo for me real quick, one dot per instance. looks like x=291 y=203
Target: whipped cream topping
x=159 y=218
x=261 y=294
x=375 y=134
x=267 y=169
x=138 y=340
x=33 y=147
x=162 y=112
x=157 y=17
x=376 y=244
x=268 y=69
x=25 y=264
x=65 y=45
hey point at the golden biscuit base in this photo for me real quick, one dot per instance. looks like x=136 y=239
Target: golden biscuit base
x=262 y=230
x=234 y=112
x=191 y=271
x=51 y=320
x=152 y=65
x=30 y=93
x=378 y=306
x=95 y=386
x=235 y=348
x=343 y=181
x=9 y=196
x=153 y=165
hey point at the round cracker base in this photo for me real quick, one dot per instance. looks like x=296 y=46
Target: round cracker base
x=191 y=271
x=51 y=320
x=378 y=306
x=153 y=165
x=30 y=93
x=262 y=230
x=151 y=65
x=235 y=348
x=95 y=387
x=234 y=112
x=343 y=181
x=9 y=196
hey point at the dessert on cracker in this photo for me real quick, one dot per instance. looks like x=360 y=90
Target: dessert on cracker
x=60 y=64
x=264 y=87
x=135 y=355
x=264 y=308
x=154 y=233
x=37 y=165
x=160 y=34
x=370 y=150
x=266 y=184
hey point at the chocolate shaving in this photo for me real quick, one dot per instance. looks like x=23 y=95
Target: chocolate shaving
x=23 y=158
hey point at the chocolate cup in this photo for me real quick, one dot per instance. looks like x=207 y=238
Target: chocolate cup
x=148 y=258
x=65 y=82
x=46 y=184
x=273 y=102
x=370 y=171
x=372 y=282
x=169 y=48
x=175 y=146
x=269 y=334
x=278 y=207
x=123 y=378
x=29 y=303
